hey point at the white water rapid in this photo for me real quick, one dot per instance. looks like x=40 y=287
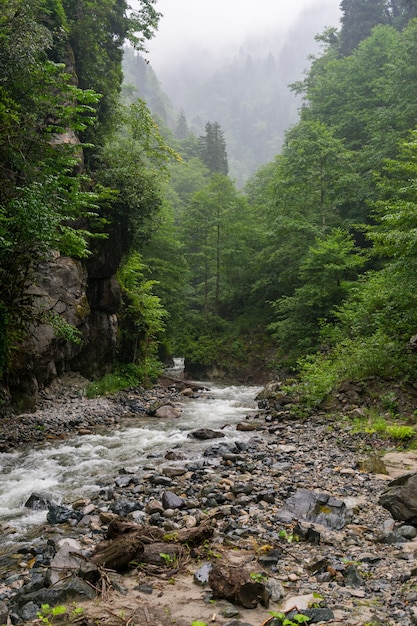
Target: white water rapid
x=82 y=465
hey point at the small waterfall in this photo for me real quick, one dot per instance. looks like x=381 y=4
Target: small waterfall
x=176 y=370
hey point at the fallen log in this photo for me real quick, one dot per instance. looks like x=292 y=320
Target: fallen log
x=117 y=553
x=126 y=542
x=193 y=537
x=162 y=553
x=180 y=384
x=234 y=583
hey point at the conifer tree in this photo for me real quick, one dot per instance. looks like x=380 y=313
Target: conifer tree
x=358 y=19
x=181 y=129
x=213 y=149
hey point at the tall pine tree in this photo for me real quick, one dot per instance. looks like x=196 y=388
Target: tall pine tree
x=213 y=149
x=358 y=19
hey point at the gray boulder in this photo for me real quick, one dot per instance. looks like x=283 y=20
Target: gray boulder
x=316 y=507
x=170 y=500
x=167 y=412
x=38 y=501
x=205 y=434
x=400 y=498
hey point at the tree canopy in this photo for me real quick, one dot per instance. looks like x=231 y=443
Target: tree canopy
x=315 y=256
x=60 y=75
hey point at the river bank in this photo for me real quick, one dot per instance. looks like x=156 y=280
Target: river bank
x=64 y=409
x=362 y=570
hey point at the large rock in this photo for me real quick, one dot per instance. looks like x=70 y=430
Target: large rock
x=205 y=433
x=99 y=349
x=72 y=589
x=167 y=412
x=170 y=500
x=58 y=514
x=64 y=287
x=400 y=498
x=60 y=289
x=316 y=507
x=68 y=560
x=39 y=501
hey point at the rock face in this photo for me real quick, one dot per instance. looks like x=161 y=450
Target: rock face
x=69 y=288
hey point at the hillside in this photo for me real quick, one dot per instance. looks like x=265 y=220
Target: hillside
x=246 y=90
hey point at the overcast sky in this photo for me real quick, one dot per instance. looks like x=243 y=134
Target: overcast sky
x=220 y=25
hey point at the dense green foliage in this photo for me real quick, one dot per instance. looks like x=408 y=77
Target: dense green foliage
x=316 y=256
x=97 y=32
x=60 y=76
x=143 y=316
x=366 y=330
x=319 y=250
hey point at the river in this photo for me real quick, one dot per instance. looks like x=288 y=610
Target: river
x=79 y=466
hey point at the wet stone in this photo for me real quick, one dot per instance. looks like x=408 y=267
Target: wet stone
x=230 y=611
x=124 y=481
x=390 y=538
x=319 y=615
x=164 y=481
x=155 y=519
x=38 y=501
x=352 y=577
x=270 y=559
x=60 y=514
x=223 y=450
x=206 y=433
x=408 y=532
x=316 y=507
x=276 y=590
x=201 y=576
x=29 y=611
x=170 y=500
x=145 y=588
x=124 y=507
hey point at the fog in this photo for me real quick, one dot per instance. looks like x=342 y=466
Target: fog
x=232 y=61
x=217 y=28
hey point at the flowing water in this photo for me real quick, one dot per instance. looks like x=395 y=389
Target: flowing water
x=80 y=465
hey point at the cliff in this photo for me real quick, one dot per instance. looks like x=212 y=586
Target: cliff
x=86 y=295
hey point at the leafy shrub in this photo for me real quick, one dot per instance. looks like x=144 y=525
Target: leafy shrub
x=375 y=423
x=350 y=360
x=125 y=376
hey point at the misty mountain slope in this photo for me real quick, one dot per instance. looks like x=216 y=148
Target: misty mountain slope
x=247 y=93
x=141 y=81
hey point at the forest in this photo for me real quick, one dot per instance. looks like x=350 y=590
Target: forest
x=307 y=270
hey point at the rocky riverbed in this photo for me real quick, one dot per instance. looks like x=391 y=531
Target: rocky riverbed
x=64 y=409
x=295 y=507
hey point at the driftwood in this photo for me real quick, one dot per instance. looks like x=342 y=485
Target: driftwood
x=118 y=552
x=191 y=536
x=235 y=584
x=126 y=542
x=194 y=537
x=180 y=383
x=161 y=553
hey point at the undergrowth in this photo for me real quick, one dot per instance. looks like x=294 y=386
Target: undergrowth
x=373 y=422
x=125 y=376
